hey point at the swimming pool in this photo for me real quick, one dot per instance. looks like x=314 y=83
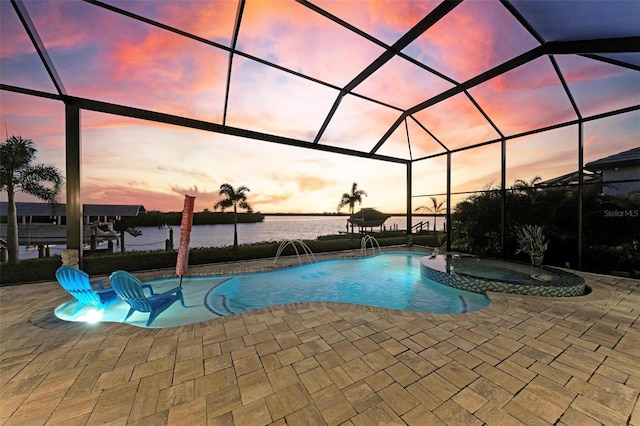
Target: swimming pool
x=390 y=280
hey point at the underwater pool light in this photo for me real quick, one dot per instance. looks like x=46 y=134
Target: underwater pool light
x=92 y=316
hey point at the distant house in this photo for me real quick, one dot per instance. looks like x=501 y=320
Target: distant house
x=620 y=172
x=45 y=212
x=45 y=224
x=570 y=179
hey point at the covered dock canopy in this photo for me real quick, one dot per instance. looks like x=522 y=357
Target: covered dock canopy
x=368 y=218
x=99 y=210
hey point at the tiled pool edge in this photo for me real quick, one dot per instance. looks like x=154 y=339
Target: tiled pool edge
x=573 y=285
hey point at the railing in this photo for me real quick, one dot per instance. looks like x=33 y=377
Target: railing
x=419 y=226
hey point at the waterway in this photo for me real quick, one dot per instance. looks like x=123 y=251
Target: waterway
x=273 y=228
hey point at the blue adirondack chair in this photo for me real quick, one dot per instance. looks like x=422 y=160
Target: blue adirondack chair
x=131 y=290
x=76 y=282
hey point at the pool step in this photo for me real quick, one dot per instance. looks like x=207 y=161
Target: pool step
x=218 y=304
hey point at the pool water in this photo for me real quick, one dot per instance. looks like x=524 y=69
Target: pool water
x=390 y=280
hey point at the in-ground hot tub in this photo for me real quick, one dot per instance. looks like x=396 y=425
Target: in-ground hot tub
x=481 y=275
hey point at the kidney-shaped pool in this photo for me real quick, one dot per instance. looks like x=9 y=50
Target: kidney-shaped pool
x=390 y=280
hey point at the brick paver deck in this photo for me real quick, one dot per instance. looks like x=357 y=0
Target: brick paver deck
x=523 y=360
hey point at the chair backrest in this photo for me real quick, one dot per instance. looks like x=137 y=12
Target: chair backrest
x=76 y=282
x=129 y=288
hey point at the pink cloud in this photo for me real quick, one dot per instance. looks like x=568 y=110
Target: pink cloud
x=136 y=64
x=611 y=135
x=312 y=183
x=384 y=19
x=41 y=120
x=169 y=67
x=98 y=121
x=470 y=125
x=63 y=25
x=295 y=191
x=267 y=100
x=196 y=174
x=476 y=169
x=358 y=124
x=543 y=168
x=402 y=84
x=211 y=20
x=267 y=201
x=99 y=192
x=471 y=39
x=204 y=199
x=400 y=16
x=533 y=98
x=14 y=40
x=275 y=32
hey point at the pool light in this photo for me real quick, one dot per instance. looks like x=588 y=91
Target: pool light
x=92 y=316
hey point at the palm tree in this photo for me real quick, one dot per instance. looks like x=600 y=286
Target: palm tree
x=351 y=199
x=17 y=173
x=233 y=198
x=435 y=208
x=528 y=188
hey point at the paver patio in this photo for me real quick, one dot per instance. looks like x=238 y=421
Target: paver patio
x=523 y=360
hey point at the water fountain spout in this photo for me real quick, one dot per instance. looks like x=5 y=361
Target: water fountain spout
x=366 y=240
x=305 y=248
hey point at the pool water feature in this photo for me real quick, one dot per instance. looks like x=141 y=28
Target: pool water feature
x=294 y=243
x=390 y=280
x=369 y=240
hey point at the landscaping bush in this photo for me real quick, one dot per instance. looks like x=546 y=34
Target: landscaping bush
x=34 y=270
x=29 y=271
x=621 y=260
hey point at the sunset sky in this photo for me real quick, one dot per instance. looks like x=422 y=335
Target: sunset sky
x=102 y=55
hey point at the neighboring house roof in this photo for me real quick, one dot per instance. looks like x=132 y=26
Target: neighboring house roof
x=625 y=158
x=570 y=179
x=46 y=209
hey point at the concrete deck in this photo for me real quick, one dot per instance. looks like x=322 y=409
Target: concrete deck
x=523 y=360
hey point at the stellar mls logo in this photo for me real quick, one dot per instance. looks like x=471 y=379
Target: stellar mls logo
x=622 y=213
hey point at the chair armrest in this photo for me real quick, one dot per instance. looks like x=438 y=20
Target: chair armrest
x=178 y=294
x=99 y=283
x=173 y=290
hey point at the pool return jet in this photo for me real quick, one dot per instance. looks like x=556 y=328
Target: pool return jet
x=182 y=263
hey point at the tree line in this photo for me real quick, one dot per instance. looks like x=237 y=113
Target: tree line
x=157 y=218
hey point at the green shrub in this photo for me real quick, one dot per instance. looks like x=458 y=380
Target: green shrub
x=34 y=270
x=606 y=259
x=29 y=271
